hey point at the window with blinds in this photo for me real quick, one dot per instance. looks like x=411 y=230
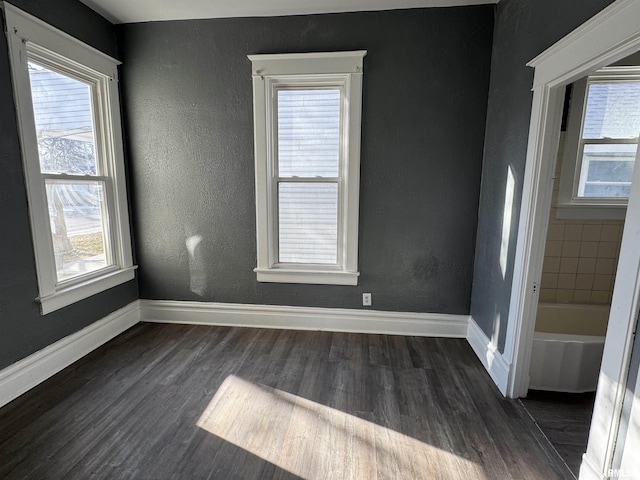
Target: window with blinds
x=308 y=139
x=307 y=112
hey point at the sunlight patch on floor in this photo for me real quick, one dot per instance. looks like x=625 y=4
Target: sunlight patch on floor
x=311 y=440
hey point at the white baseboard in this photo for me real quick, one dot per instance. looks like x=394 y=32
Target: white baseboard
x=588 y=470
x=304 y=318
x=488 y=353
x=36 y=368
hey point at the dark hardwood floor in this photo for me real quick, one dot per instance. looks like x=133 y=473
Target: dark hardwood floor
x=565 y=419
x=197 y=402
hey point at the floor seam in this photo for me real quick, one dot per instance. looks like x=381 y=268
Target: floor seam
x=549 y=443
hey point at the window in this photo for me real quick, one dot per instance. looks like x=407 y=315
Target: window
x=68 y=113
x=601 y=144
x=307 y=110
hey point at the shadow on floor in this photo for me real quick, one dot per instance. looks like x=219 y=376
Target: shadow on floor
x=564 y=418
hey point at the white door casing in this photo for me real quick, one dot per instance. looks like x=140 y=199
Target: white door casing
x=609 y=36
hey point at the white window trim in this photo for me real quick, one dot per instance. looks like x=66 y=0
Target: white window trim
x=570 y=205
x=26 y=33
x=346 y=69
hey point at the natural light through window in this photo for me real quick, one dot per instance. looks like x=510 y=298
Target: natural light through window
x=600 y=146
x=63 y=113
x=68 y=111
x=609 y=138
x=506 y=220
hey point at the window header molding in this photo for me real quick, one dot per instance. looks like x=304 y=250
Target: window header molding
x=32 y=29
x=307 y=63
x=626 y=72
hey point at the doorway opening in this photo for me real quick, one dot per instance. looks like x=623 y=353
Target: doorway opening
x=608 y=37
x=591 y=185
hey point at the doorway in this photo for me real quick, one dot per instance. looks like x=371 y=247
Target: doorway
x=591 y=184
x=608 y=37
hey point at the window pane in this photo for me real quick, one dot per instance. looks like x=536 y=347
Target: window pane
x=77 y=221
x=308 y=222
x=607 y=170
x=64 y=122
x=308 y=132
x=613 y=111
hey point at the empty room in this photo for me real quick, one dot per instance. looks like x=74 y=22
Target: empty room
x=312 y=240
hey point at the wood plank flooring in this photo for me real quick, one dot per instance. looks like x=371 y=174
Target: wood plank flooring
x=565 y=419
x=197 y=402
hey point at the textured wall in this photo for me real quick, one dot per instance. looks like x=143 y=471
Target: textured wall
x=22 y=329
x=189 y=116
x=523 y=29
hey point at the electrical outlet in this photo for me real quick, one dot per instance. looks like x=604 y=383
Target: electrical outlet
x=366 y=299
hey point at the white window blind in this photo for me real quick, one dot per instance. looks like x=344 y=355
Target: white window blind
x=308 y=132
x=307 y=112
x=308 y=166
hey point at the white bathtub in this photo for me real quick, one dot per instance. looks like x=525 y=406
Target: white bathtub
x=567 y=347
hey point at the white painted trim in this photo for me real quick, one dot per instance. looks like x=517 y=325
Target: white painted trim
x=627 y=465
x=29 y=37
x=304 y=318
x=488 y=353
x=315 y=63
x=314 y=277
x=67 y=296
x=38 y=367
x=609 y=36
x=270 y=72
x=532 y=231
x=618 y=346
x=580 y=53
x=32 y=29
x=588 y=471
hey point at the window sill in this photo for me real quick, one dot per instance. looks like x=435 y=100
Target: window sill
x=314 y=277
x=80 y=291
x=575 y=211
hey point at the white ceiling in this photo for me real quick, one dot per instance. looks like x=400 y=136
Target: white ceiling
x=128 y=11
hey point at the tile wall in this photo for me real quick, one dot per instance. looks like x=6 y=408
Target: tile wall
x=581 y=257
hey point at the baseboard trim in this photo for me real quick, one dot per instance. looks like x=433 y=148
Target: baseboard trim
x=489 y=355
x=589 y=471
x=25 y=374
x=304 y=318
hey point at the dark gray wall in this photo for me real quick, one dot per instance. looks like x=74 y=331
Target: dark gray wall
x=188 y=98
x=22 y=329
x=523 y=29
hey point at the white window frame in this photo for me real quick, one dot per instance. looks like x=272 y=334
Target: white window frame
x=30 y=37
x=570 y=205
x=270 y=72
